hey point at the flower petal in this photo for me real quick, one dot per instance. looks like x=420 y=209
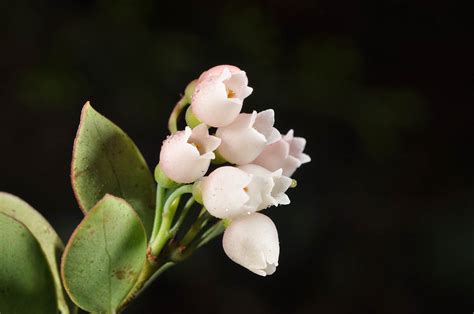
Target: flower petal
x=273 y=155
x=264 y=124
x=223 y=192
x=266 y=187
x=180 y=160
x=204 y=142
x=211 y=105
x=217 y=70
x=240 y=142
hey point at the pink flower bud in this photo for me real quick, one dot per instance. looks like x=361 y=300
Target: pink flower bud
x=252 y=242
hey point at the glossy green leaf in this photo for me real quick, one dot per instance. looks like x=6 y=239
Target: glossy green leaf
x=43 y=232
x=104 y=256
x=26 y=282
x=106 y=161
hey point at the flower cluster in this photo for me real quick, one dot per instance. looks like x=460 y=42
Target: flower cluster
x=255 y=164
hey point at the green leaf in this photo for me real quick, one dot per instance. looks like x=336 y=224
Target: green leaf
x=48 y=239
x=106 y=161
x=26 y=282
x=104 y=256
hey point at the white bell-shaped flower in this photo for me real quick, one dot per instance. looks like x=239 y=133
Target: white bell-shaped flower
x=225 y=192
x=245 y=138
x=186 y=155
x=218 y=97
x=287 y=154
x=252 y=242
x=229 y=192
x=268 y=187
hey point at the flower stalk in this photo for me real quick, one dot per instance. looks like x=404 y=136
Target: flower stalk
x=172 y=121
x=169 y=209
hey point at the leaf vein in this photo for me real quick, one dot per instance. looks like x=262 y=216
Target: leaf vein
x=109 y=263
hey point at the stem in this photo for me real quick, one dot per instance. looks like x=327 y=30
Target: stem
x=148 y=270
x=154 y=267
x=167 y=218
x=181 y=218
x=182 y=252
x=180 y=105
x=214 y=231
x=149 y=274
x=160 y=193
x=196 y=227
x=157 y=274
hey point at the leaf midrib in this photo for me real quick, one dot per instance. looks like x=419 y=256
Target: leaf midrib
x=109 y=264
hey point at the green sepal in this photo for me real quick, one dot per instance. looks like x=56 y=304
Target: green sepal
x=219 y=160
x=191 y=120
x=197 y=193
x=163 y=180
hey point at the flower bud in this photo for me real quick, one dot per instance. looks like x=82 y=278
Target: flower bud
x=245 y=138
x=287 y=154
x=219 y=95
x=186 y=155
x=252 y=242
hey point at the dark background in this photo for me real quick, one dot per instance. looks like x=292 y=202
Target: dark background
x=382 y=220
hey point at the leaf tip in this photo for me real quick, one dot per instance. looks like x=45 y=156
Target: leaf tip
x=111 y=197
x=84 y=111
x=87 y=105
